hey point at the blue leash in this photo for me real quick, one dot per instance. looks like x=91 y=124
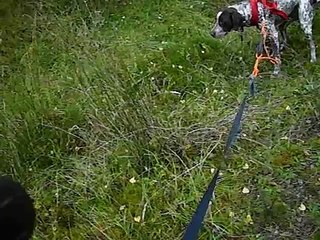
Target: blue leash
x=195 y=224
x=197 y=219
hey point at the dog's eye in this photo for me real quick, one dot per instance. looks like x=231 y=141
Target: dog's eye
x=224 y=24
x=223 y=21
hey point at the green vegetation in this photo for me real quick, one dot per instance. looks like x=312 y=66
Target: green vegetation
x=113 y=114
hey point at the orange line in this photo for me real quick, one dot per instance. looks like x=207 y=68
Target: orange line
x=261 y=57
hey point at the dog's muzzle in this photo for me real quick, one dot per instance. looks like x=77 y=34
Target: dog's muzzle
x=218 y=32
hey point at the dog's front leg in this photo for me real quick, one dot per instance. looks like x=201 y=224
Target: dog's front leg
x=267 y=18
x=284 y=35
x=274 y=35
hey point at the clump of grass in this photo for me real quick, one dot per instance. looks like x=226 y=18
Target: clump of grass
x=114 y=114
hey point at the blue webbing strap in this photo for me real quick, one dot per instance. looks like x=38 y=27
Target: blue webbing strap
x=195 y=224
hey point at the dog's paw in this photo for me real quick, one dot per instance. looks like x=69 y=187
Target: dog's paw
x=276 y=72
x=313 y=60
x=283 y=47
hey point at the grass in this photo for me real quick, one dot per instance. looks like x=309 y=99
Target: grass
x=114 y=113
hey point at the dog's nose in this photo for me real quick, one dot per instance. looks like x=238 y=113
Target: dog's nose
x=213 y=34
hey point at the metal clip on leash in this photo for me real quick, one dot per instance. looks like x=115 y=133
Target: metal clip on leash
x=259 y=52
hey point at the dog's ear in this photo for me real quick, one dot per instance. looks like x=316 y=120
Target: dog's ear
x=237 y=20
x=225 y=20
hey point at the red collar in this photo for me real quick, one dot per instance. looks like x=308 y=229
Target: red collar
x=272 y=6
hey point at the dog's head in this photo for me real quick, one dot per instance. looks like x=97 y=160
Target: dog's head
x=227 y=20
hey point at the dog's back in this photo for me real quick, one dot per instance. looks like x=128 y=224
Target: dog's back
x=17 y=214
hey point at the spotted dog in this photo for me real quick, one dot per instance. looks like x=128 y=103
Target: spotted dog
x=236 y=17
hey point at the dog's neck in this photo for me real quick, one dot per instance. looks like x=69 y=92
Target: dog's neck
x=244 y=9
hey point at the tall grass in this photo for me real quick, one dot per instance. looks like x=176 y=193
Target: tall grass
x=113 y=114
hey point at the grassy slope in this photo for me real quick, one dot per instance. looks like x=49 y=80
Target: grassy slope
x=88 y=101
